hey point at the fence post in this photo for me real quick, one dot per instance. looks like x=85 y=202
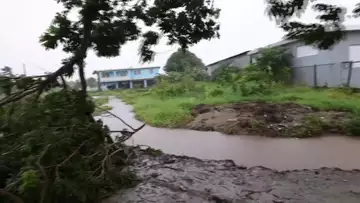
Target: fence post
x=315 y=75
x=349 y=73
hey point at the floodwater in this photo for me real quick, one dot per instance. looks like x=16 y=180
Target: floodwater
x=275 y=153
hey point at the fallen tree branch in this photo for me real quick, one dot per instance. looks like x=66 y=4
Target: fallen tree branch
x=126 y=134
x=22 y=77
x=103 y=163
x=72 y=154
x=38 y=163
x=46 y=179
x=18 y=95
x=116 y=117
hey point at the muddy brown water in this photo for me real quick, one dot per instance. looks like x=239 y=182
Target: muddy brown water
x=275 y=153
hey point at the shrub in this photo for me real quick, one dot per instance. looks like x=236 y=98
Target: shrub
x=353 y=125
x=167 y=87
x=52 y=150
x=252 y=81
x=253 y=88
x=169 y=77
x=276 y=62
x=216 y=92
x=225 y=74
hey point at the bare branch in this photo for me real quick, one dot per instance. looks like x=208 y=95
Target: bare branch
x=72 y=154
x=116 y=117
x=41 y=168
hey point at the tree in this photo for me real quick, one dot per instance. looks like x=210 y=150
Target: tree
x=6 y=84
x=276 y=62
x=7 y=71
x=91 y=82
x=51 y=147
x=182 y=61
x=323 y=34
x=106 y=25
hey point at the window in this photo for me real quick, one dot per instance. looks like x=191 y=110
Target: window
x=121 y=73
x=137 y=72
x=105 y=74
x=151 y=71
x=304 y=51
x=354 y=55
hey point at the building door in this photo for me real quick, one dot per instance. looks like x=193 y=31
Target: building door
x=354 y=55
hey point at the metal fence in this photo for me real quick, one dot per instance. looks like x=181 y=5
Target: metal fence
x=331 y=75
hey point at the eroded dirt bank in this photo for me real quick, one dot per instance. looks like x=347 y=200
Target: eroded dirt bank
x=268 y=119
x=169 y=178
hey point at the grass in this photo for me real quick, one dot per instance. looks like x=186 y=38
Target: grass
x=174 y=111
x=101 y=101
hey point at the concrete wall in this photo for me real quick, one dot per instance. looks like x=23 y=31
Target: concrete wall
x=331 y=69
x=145 y=73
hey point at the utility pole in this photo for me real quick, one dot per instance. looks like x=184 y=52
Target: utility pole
x=24 y=69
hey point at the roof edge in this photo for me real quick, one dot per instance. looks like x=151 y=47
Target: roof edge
x=128 y=69
x=242 y=53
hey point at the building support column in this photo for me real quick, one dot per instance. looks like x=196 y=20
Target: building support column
x=131 y=84
x=145 y=84
x=116 y=85
x=98 y=81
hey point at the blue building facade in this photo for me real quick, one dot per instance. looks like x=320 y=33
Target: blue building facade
x=127 y=78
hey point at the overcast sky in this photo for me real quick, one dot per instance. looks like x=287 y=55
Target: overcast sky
x=244 y=26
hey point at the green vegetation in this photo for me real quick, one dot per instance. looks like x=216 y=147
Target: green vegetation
x=173 y=111
x=184 y=62
x=102 y=103
x=52 y=149
x=286 y=14
x=171 y=101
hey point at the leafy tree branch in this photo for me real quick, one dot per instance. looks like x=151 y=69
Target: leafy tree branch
x=324 y=34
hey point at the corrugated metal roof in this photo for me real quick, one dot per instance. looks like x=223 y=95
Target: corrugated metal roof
x=242 y=53
x=288 y=41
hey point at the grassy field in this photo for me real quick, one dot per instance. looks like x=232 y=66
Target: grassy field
x=160 y=109
x=102 y=103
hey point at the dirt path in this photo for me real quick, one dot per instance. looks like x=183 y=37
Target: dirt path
x=268 y=119
x=169 y=178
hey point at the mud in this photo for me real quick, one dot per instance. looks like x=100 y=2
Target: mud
x=169 y=178
x=268 y=119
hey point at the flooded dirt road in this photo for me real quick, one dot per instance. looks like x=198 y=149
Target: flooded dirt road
x=172 y=179
x=275 y=153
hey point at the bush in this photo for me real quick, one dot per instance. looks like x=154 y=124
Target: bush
x=52 y=150
x=253 y=88
x=271 y=67
x=353 y=126
x=216 y=92
x=276 y=62
x=252 y=81
x=167 y=87
x=169 y=77
x=225 y=74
